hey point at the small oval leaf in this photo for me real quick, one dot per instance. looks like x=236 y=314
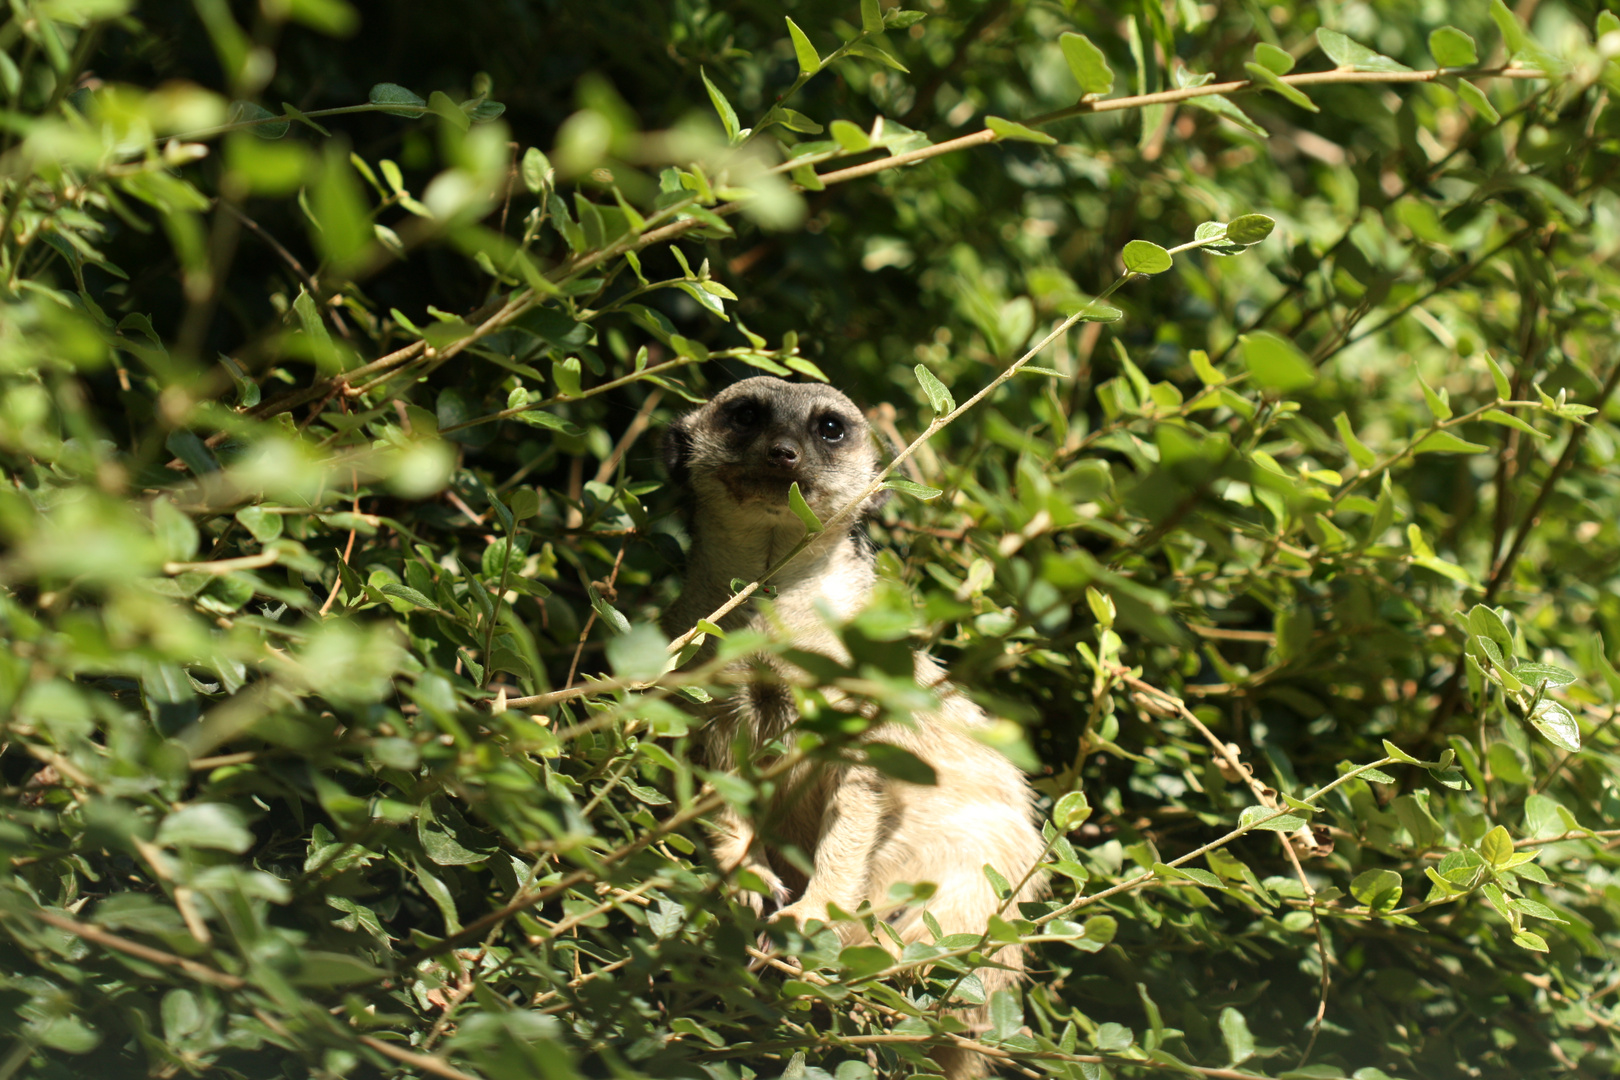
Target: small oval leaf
x=915 y=490
x=809 y=61
x=1146 y=257
x=401 y=101
x=1450 y=47
x=1010 y=129
x=1249 y=229
x=1087 y=63
x=939 y=398
x=802 y=511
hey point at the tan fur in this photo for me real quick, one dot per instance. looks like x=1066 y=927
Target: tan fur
x=863 y=831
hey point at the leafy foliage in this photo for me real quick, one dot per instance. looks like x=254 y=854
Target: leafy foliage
x=339 y=737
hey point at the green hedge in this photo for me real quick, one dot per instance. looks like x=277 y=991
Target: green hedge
x=339 y=738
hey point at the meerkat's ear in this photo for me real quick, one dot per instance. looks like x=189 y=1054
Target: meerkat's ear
x=678 y=449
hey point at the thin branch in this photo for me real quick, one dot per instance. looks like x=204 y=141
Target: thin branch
x=200 y=972
x=428 y=1063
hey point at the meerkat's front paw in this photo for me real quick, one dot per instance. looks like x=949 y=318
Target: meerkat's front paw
x=794 y=913
x=802 y=910
x=756 y=900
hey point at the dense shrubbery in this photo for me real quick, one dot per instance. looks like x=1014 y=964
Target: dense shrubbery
x=338 y=734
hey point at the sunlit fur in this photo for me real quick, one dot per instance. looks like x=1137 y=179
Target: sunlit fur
x=862 y=830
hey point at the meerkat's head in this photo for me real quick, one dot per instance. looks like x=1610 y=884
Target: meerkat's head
x=741 y=452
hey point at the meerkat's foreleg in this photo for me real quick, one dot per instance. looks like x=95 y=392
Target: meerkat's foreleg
x=850 y=828
x=736 y=846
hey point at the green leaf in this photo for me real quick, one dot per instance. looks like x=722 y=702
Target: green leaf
x=1009 y=129
x=1275 y=364
x=1439 y=407
x=1249 y=229
x=1207 y=373
x=850 y=137
x=939 y=398
x=409 y=595
x=797 y=121
x=445 y=107
x=900 y=763
x=1506 y=419
x=1520 y=45
x=1146 y=257
x=809 y=61
x=1504 y=388
x=1097 y=311
x=1071 y=811
x=1235 y=1033
x=1395 y=752
x=685 y=1025
x=728 y=115
x=1101 y=929
x=610 y=615
x=537 y=171
x=1087 y=63
x=1537 y=911
x=997 y=882
x=327 y=969
x=402 y=101
x=871 y=17
x=1476 y=97
x=1266 y=79
x=567 y=374
x=1488 y=624
x=1269 y=820
x=1524 y=939
x=176 y=532
x=1557 y=725
x=1273 y=59
x=266 y=124
x=1187 y=873
x=639 y=655
x=1444 y=442
x=264 y=525
x=859 y=961
x=447 y=838
x=915 y=490
x=1353 y=55
x=1451 y=47
x=339 y=206
x=1377 y=888
x=1496 y=847
x=802 y=510
x=220 y=826
x=1551 y=674
x=1226 y=109
x=1359 y=453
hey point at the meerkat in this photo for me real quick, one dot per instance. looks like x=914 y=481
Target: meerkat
x=862 y=831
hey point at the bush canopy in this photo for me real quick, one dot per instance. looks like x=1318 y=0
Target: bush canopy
x=1249 y=372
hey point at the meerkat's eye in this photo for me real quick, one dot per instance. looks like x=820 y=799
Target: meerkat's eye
x=831 y=429
x=745 y=414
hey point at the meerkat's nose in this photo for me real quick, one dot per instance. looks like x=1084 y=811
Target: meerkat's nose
x=784 y=454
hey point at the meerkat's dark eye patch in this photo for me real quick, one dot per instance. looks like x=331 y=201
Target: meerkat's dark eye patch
x=831 y=429
x=746 y=413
